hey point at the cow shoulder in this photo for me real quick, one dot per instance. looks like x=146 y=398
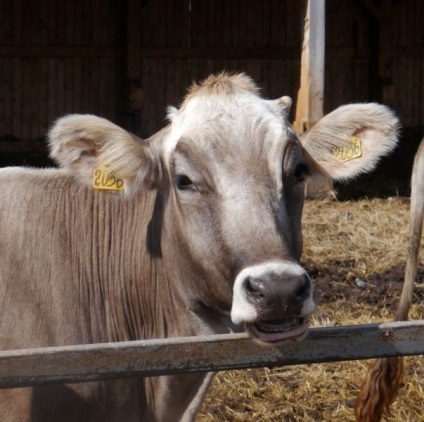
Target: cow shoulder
x=351 y=139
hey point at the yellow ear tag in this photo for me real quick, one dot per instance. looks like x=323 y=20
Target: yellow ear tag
x=105 y=180
x=349 y=151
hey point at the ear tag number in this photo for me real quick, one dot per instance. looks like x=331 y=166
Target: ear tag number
x=105 y=180
x=349 y=151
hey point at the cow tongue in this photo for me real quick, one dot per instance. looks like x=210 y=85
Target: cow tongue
x=276 y=330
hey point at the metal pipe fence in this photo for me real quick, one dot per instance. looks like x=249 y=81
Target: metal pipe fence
x=66 y=364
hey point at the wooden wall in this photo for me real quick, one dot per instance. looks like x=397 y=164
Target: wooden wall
x=128 y=60
x=55 y=58
x=408 y=62
x=260 y=38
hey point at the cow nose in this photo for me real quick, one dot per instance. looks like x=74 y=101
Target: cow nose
x=272 y=290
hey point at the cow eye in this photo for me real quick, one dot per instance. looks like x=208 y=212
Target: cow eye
x=183 y=182
x=301 y=171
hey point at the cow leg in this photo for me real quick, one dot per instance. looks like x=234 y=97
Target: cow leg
x=15 y=405
x=197 y=400
x=179 y=397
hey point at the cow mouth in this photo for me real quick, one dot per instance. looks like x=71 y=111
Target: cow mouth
x=273 y=331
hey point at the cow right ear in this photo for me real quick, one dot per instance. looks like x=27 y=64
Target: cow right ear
x=83 y=143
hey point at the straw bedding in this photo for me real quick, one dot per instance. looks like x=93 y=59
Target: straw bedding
x=355 y=253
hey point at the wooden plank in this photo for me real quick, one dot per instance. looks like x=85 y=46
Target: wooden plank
x=266 y=27
x=386 y=51
x=211 y=18
x=219 y=53
x=83 y=30
x=161 y=24
x=17 y=98
x=21 y=147
x=420 y=19
x=172 y=23
x=267 y=53
x=295 y=14
x=6 y=98
x=35 y=16
x=252 y=22
x=19 y=368
x=59 y=92
x=68 y=86
x=407 y=92
x=3 y=105
x=183 y=35
x=134 y=11
x=360 y=81
x=108 y=89
x=17 y=22
x=416 y=98
x=42 y=93
x=197 y=24
x=51 y=19
x=34 y=75
x=51 y=99
x=168 y=22
x=61 y=24
x=95 y=106
x=69 y=22
x=62 y=51
x=330 y=92
x=148 y=95
x=160 y=98
x=220 y=6
x=421 y=94
x=373 y=9
x=7 y=27
x=403 y=27
x=409 y=51
x=86 y=71
x=78 y=84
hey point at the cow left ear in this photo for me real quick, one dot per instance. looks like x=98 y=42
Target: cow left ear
x=83 y=143
x=351 y=140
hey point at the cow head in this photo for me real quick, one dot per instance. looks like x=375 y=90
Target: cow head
x=230 y=172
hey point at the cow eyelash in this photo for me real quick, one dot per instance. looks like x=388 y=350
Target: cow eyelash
x=301 y=171
x=183 y=182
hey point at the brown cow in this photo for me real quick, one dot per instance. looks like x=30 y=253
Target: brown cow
x=206 y=240
x=382 y=383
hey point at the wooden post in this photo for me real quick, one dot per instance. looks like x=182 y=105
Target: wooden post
x=310 y=98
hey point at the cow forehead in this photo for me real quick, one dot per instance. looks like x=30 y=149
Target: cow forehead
x=242 y=118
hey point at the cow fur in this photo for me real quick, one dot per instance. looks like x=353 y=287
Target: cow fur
x=381 y=385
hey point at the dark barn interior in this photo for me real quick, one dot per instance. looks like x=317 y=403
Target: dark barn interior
x=128 y=60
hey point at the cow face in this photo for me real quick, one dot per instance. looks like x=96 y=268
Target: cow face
x=230 y=171
x=236 y=172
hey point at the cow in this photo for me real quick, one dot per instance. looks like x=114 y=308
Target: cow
x=204 y=239
x=381 y=385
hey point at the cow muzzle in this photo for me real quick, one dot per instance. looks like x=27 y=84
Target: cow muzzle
x=273 y=300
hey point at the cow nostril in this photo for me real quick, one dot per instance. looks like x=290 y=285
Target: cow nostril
x=253 y=287
x=303 y=291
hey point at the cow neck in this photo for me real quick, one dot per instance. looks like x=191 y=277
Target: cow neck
x=123 y=294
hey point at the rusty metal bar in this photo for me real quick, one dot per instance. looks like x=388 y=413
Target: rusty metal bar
x=20 y=368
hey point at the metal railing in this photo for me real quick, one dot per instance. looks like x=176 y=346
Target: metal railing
x=26 y=367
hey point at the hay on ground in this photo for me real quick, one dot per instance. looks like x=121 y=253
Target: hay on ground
x=346 y=245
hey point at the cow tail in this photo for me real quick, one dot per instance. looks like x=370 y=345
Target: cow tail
x=380 y=387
